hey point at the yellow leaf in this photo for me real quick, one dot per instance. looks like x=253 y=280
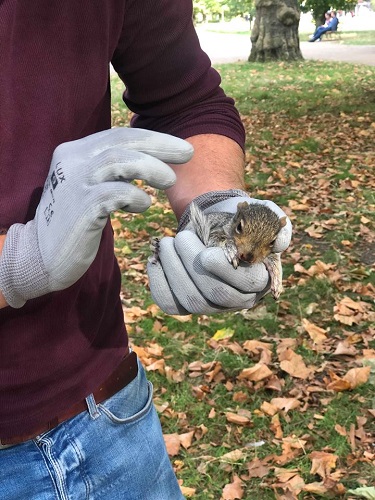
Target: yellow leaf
x=224 y=333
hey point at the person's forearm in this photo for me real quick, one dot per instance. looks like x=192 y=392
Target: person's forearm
x=3 y=302
x=217 y=164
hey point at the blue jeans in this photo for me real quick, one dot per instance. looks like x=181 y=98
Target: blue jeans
x=319 y=32
x=114 y=451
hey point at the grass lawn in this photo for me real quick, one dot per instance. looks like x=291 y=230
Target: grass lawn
x=300 y=424
x=349 y=37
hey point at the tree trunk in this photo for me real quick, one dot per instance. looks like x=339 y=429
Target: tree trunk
x=275 y=33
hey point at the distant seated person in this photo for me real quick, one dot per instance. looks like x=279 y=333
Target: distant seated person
x=331 y=25
x=327 y=17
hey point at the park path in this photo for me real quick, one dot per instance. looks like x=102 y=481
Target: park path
x=225 y=48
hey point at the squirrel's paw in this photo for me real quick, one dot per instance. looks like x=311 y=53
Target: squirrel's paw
x=273 y=265
x=230 y=251
x=154 y=245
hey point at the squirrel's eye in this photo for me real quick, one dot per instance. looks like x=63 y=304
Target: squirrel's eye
x=273 y=242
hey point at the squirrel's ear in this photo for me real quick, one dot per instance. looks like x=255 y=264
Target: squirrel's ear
x=241 y=205
x=282 y=221
x=240 y=226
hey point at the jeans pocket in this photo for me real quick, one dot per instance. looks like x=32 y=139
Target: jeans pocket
x=131 y=403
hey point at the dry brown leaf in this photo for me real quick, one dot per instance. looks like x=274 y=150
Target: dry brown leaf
x=158 y=365
x=173 y=444
x=183 y=319
x=257 y=469
x=285 y=404
x=346 y=319
x=276 y=426
x=132 y=314
x=353 y=378
x=285 y=475
x=200 y=431
x=348 y=311
x=240 y=397
x=268 y=408
x=294 y=442
x=338 y=385
x=357 y=376
x=176 y=376
x=256 y=345
x=345 y=349
x=155 y=349
x=322 y=463
x=317 y=334
x=186 y=439
x=355 y=305
x=341 y=430
x=141 y=353
x=234 y=418
x=295 y=205
x=212 y=413
x=317 y=488
x=212 y=375
x=234 y=490
x=188 y=492
x=255 y=373
x=293 y=364
x=232 y=456
x=275 y=384
x=116 y=224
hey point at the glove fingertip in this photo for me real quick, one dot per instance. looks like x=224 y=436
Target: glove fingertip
x=284 y=237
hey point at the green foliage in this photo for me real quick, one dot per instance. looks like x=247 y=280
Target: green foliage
x=319 y=7
x=234 y=8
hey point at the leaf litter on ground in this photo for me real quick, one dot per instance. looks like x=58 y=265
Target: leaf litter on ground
x=277 y=402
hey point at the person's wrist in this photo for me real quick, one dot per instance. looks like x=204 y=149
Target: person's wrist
x=208 y=199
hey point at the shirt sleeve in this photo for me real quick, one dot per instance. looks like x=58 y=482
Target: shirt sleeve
x=170 y=84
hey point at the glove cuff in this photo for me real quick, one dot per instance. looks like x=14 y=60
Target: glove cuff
x=22 y=274
x=206 y=200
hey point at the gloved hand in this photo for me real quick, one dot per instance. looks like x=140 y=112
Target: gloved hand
x=88 y=179
x=190 y=278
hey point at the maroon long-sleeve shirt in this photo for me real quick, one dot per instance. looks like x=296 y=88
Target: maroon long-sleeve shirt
x=54 y=87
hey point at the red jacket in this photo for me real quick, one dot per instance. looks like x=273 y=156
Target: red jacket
x=54 y=87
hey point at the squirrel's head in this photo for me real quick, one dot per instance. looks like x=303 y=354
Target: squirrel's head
x=255 y=228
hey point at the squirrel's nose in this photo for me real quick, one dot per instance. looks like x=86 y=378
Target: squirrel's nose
x=247 y=257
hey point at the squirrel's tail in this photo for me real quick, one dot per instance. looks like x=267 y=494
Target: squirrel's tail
x=200 y=223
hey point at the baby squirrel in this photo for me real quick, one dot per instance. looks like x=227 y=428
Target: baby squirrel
x=248 y=236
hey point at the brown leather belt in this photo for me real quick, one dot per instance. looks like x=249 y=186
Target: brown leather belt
x=121 y=377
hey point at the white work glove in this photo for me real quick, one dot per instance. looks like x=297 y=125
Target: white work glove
x=190 y=278
x=88 y=179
